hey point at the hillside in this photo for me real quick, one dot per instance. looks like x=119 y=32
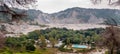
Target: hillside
x=78 y=15
x=82 y=15
x=74 y=15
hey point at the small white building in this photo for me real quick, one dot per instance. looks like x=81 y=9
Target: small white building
x=59 y=44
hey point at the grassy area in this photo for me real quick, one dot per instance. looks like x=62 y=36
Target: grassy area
x=37 y=51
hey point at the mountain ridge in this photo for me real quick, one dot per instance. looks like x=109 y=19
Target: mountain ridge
x=75 y=15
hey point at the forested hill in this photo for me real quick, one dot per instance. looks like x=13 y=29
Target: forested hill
x=74 y=15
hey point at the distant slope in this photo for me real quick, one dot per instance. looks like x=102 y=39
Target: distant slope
x=78 y=15
x=74 y=15
x=82 y=15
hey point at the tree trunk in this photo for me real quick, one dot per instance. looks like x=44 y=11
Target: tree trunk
x=118 y=51
x=111 y=51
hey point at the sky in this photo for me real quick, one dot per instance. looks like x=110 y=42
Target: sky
x=52 y=6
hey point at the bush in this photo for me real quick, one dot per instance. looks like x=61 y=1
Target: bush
x=84 y=50
x=106 y=52
x=65 y=50
x=7 y=51
x=61 y=48
x=30 y=47
x=92 y=49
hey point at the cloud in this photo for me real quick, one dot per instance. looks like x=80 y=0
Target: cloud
x=51 y=6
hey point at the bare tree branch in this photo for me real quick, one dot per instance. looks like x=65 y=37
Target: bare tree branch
x=110 y=2
x=9 y=10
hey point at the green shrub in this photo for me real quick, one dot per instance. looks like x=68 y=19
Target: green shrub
x=30 y=47
x=7 y=51
x=61 y=48
x=106 y=52
x=65 y=50
x=84 y=50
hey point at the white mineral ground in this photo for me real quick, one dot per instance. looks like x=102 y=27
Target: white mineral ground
x=25 y=28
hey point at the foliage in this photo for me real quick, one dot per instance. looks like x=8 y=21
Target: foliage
x=111 y=39
x=19 y=43
x=62 y=49
x=34 y=35
x=84 y=50
x=74 y=36
x=109 y=2
x=12 y=13
x=30 y=47
x=26 y=42
x=106 y=52
x=42 y=42
x=53 y=41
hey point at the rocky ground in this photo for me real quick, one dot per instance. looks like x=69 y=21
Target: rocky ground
x=25 y=28
x=93 y=52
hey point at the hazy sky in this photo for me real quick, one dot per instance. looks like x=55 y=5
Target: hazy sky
x=51 y=6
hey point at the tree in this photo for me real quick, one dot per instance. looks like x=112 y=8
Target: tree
x=95 y=37
x=68 y=42
x=53 y=41
x=42 y=42
x=81 y=39
x=34 y=35
x=14 y=43
x=111 y=38
x=110 y=2
x=5 y=7
x=30 y=47
x=88 y=40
